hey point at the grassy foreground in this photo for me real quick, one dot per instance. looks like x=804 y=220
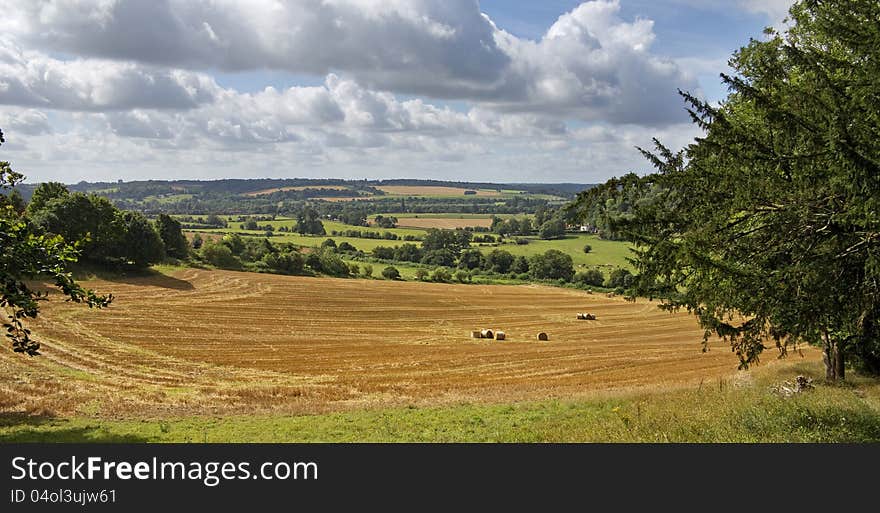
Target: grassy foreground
x=722 y=411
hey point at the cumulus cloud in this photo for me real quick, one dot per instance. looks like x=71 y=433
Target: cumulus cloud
x=29 y=78
x=99 y=83
x=591 y=64
x=775 y=10
x=341 y=113
x=25 y=121
x=417 y=44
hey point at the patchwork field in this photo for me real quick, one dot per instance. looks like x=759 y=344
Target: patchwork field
x=217 y=342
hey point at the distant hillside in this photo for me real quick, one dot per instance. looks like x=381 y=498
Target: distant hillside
x=276 y=196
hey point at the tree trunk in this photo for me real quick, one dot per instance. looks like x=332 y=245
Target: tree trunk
x=829 y=357
x=839 y=363
x=827 y=360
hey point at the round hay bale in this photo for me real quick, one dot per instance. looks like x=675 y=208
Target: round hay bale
x=500 y=335
x=476 y=334
x=543 y=336
x=487 y=334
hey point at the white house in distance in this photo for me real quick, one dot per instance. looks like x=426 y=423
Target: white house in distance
x=587 y=228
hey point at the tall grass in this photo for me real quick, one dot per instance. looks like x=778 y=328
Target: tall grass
x=720 y=411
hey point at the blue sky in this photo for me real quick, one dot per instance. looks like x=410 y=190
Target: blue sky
x=547 y=91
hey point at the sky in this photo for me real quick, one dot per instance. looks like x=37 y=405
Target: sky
x=494 y=90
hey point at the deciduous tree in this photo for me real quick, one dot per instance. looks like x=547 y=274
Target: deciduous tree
x=27 y=254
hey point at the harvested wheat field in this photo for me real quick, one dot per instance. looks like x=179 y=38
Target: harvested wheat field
x=432 y=190
x=221 y=342
x=446 y=223
x=297 y=188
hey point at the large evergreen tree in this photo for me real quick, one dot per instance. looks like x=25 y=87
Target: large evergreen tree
x=768 y=228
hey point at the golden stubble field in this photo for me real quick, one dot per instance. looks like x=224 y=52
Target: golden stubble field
x=433 y=190
x=220 y=342
x=441 y=222
x=296 y=188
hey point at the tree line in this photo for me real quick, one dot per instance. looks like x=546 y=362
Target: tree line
x=105 y=234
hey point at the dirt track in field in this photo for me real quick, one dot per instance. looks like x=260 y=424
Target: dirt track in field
x=221 y=342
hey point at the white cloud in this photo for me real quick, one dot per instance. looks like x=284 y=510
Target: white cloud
x=775 y=10
x=25 y=121
x=591 y=64
x=123 y=88
x=29 y=78
x=341 y=113
x=421 y=44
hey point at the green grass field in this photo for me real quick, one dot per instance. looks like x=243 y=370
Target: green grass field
x=733 y=410
x=365 y=245
x=329 y=226
x=607 y=253
x=407 y=271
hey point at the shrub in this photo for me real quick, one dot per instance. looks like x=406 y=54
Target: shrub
x=520 y=265
x=313 y=260
x=286 y=263
x=439 y=257
x=588 y=248
x=471 y=259
x=390 y=273
x=552 y=265
x=234 y=242
x=408 y=253
x=421 y=274
x=441 y=274
x=592 y=277
x=367 y=271
x=383 y=253
x=462 y=276
x=552 y=229
x=346 y=247
x=332 y=264
x=620 y=279
x=219 y=255
x=499 y=261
